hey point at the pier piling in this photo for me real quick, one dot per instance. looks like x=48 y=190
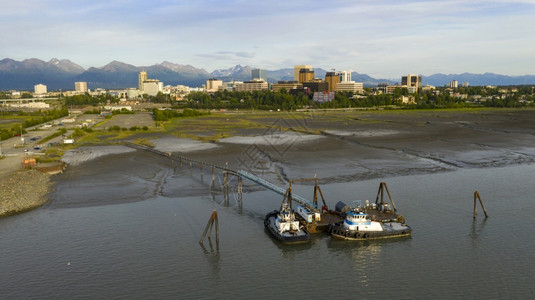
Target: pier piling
x=380 y=193
x=213 y=219
x=240 y=191
x=213 y=175
x=476 y=196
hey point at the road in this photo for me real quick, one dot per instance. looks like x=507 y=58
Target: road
x=15 y=148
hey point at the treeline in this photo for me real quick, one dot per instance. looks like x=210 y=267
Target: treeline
x=46 y=117
x=87 y=99
x=266 y=100
x=439 y=98
x=165 y=115
x=38 y=117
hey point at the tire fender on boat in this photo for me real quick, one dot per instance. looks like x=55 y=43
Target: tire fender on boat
x=365 y=235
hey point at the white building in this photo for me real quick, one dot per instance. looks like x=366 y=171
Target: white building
x=39 y=89
x=80 y=86
x=152 y=87
x=350 y=86
x=345 y=76
x=31 y=105
x=118 y=107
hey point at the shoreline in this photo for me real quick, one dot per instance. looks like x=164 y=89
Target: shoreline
x=24 y=190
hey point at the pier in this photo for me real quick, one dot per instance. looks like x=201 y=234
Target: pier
x=240 y=174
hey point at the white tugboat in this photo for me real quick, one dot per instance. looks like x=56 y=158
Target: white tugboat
x=359 y=226
x=373 y=221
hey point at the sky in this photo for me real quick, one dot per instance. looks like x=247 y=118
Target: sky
x=381 y=38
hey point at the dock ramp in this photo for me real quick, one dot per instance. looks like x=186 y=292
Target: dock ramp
x=268 y=185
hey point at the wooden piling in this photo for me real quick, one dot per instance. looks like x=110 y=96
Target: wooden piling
x=380 y=192
x=225 y=180
x=476 y=196
x=213 y=218
x=213 y=175
x=240 y=192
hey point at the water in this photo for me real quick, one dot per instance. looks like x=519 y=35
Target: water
x=133 y=232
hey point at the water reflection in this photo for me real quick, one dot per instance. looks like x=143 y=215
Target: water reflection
x=477 y=229
x=289 y=252
x=212 y=256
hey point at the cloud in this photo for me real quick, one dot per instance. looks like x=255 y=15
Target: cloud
x=223 y=55
x=382 y=37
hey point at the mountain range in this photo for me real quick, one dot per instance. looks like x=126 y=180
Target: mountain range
x=62 y=73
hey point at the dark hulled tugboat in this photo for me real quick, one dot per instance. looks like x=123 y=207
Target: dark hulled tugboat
x=284 y=225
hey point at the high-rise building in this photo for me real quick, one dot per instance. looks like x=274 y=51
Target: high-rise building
x=141 y=78
x=212 y=85
x=412 y=80
x=454 y=84
x=333 y=79
x=299 y=68
x=39 y=89
x=306 y=75
x=345 y=76
x=258 y=74
x=80 y=86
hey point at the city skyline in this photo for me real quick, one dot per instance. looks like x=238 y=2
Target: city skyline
x=380 y=38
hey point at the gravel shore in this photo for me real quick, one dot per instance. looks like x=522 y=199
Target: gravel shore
x=22 y=191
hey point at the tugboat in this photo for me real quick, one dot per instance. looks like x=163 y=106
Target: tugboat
x=373 y=221
x=284 y=225
x=359 y=226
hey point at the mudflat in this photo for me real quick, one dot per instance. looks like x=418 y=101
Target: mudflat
x=360 y=144
x=337 y=146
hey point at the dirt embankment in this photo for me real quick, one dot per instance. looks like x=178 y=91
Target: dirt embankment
x=22 y=191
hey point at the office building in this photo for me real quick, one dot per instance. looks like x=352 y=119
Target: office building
x=287 y=85
x=152 y=87
x=323 y=97
x=412 y=80
x=306 y=75
x=39 y=89
x=333 y=79
x=345 y=76
x=316 y=85
x=298 y=68
x=230 y=86
x=212 y=85
x=80 y=86
x=141 y=78
x=350 y=86
x=253 y=85
x=258 y=74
